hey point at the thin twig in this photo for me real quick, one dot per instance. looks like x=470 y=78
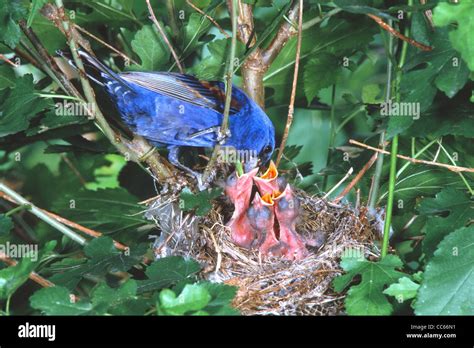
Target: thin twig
x=291 y=107
x=208 y=17
x=43 y=216
x=163 y=35
x=455 y=169
x=228 y=94
x=67 y=222
x=356 y=179
x=392 y=31
x=5 y=59
x=33 y=276
x=339 y=183
x=123 y=55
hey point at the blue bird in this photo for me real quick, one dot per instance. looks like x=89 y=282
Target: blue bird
x=175 y=110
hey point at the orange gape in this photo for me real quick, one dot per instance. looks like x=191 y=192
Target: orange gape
x=268 y=223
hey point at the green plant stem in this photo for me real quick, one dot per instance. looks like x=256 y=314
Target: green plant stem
x=349 y=118
x=394 y=149
x=332 y=134
x=416 y=155
x=17 y=209
x=463 y=178
x=312 y=22
x=228 y=93
x=42 y=216
x=388 y=95
x=391 y=190
x=7 y=305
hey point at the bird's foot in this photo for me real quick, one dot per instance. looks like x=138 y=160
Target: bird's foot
x=222 y=137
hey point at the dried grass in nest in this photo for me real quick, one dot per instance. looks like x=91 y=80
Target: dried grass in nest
x=272 y=285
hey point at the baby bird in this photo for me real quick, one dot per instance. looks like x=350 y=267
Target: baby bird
x=287 y=211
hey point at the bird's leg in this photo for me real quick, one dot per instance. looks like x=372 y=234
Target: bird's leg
x=220 y=137
x=173 y=157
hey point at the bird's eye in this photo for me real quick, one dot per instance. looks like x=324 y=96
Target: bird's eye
x=267 y=149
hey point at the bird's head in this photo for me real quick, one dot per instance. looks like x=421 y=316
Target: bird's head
x=259 y=139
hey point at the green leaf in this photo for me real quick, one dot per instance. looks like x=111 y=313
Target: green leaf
x=421 y=180
x=57 y=300
x=10 y=12
x=7 y=77
x=339 y=38
x=168 y=271
x=103 y=258
x=200 y=202
x=457 y=209
x=361 y=7
x=212 y=66
x=461 y=37
x=36 y=5
x=449 y=277
x=107 y=210
x=221 y=298
x=196 y=27
x=434 y=122
x=52 y=120
x=6 y=225
x=325 y=67
x=404 y=290
x=194 y=297
x=367 y=298
x=151 y=49
x=434 y=69
x=371 y=94
x=11 y=278
x=105 y=297
x=20 y=106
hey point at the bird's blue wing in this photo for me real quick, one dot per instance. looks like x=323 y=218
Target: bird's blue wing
x=206 y=94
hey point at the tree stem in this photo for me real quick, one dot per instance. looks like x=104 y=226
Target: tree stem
x=228 y=93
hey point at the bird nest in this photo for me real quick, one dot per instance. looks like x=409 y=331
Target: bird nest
x=270 y=285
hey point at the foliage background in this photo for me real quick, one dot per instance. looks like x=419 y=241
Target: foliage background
x=52 y=160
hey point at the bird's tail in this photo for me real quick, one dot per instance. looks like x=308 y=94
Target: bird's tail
x=103 y=70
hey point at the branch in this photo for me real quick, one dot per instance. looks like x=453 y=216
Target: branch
x=163 y=35
x=123 y=55
x=455 y=169
x=392 y=31
x=228 y=93
x=66 y=222
x=291 y=110
x=285 y=32
x=43 y=216
x=356 y=179
x=5 y=59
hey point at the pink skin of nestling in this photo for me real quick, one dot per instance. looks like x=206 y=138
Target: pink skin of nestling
x=286 y=212
x=261 y=216
x=239 y=189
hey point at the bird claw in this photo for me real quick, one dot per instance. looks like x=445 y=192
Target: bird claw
x=222 y=137
x=200 y=182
